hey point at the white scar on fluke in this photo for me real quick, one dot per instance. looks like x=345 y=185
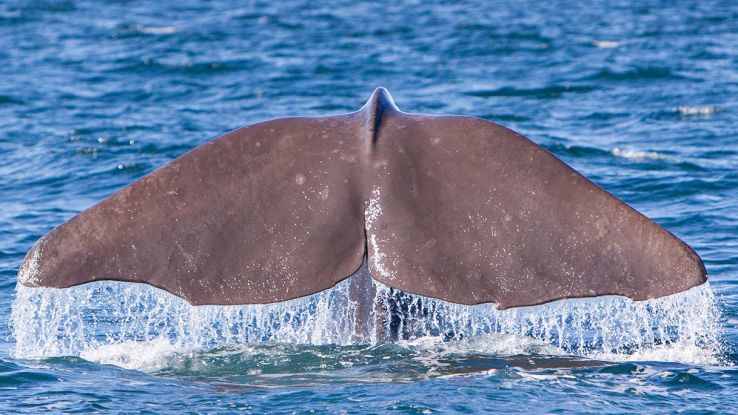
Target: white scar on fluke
x=372 y=217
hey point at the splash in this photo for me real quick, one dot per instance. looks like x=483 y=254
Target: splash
x=116 y=322
x=150 y=356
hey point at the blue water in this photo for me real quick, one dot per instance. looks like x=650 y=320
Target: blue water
x=640 y=97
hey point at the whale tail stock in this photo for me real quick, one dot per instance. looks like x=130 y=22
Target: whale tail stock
x=450 y=207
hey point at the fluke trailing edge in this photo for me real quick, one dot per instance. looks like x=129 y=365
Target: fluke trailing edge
x=450 y=207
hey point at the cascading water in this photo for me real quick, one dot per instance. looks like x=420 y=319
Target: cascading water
x=97 y=316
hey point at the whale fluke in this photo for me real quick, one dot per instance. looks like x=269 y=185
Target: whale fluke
x=450 y=207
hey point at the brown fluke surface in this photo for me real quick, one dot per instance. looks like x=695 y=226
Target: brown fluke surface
x=451 y=207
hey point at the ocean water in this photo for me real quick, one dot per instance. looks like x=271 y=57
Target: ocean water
x=638 y=96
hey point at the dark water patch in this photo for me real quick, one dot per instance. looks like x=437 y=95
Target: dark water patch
x=572 y=150
x=648 y=73
x=548 y=92
x=169 y=150
x=660 y=163
x=501 y=118
x=686 y=380
x=334 y=108
x=159 y=67
x=623 y=369
x=492 y=32
x=719 y=153
x=30 y=11
x=24 y=377
x=9 y=100
x=706 y=54
x=13 y=17
x=676 y=188
x=607 y=116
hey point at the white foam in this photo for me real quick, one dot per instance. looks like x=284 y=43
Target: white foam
x=698 y=110
x=639 y=155
x=680 y=352
x=148 y=356
x=606 y=44
x=156 y=30
x=491 y=344
x=138 y=326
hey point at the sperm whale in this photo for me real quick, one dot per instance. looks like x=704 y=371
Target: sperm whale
x=451 y=207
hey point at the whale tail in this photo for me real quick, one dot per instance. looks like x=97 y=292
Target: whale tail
x=450 y=207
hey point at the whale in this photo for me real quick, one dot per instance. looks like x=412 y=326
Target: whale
x=451 y=207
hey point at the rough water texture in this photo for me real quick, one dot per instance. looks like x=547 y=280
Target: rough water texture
x=638 y=96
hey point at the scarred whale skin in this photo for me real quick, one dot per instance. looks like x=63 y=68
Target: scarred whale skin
x=450 y=207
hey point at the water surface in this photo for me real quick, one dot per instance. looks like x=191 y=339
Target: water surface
x=640 y=97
